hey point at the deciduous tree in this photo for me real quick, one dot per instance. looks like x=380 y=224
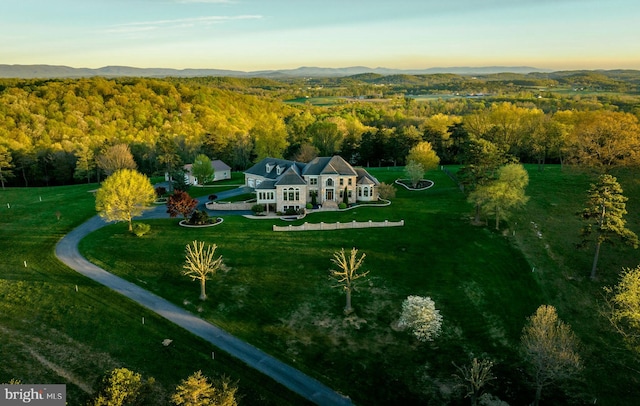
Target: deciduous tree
x=504 y=193
x=386 y=191
x=114 y=158
x=623 y=302
x=604 y=214
x=306 y=153
x=181 y=203
x=85 y=163
x=604 y=139
x=123 y=387
x=424 y=155
x=414 y=171
x=167 y=154
x=347 y=273
x=197 y=390
x=269 y=137
x=202 y=170
x=5 y=165
x=201 y=264
x=325 y=137
x=124 y=195
x=421 y=316
x=473 y=378
x=550 y=349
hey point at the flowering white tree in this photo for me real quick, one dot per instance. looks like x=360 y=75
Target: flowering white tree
x=421 y=316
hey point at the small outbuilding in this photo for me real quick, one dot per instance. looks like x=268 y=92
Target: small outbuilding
x=221 y=171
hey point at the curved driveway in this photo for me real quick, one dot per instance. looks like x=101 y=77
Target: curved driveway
x=305 y=386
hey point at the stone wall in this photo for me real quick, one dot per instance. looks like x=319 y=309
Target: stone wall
x=229 y=206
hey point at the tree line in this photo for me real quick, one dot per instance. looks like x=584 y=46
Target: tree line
x=53 y=131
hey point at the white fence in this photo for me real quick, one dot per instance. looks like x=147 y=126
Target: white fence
x=339 y=226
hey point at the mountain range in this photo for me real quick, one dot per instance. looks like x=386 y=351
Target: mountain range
x=59 y=71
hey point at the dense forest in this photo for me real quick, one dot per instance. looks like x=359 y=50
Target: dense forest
x=52 y=131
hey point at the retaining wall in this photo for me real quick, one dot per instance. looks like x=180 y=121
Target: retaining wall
x=229 y=206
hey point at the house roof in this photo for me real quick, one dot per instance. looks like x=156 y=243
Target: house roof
x=291 y=177
x=365 y=178
x=266 y=184
x=328 y=165
x=217 y=166
x=271 y=168
x=279 y=172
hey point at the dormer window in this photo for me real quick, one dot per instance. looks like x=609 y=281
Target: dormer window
x=269 y=167
x=279 y=169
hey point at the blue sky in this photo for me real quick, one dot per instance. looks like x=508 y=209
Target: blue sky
x=277 y=34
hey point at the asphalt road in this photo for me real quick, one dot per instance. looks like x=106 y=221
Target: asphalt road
x=305 y=386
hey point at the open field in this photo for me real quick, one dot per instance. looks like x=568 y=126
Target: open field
x=52 y=334
x=277 y=294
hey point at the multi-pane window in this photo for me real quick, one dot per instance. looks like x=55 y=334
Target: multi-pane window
x=350 y=181
x=341 y=182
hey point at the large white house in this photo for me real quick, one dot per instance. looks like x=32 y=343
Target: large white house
x=283 y=185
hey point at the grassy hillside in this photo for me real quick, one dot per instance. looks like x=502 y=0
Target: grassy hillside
x=277 y=294
x=51 y=333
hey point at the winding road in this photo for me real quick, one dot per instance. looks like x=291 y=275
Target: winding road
x=307 y=387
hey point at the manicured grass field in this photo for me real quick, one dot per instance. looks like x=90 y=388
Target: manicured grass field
x=277 y=294
x=51 y=333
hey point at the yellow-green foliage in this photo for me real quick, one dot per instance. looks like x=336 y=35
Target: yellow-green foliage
x=624 y=304
x=424 y=155
x=124 y=195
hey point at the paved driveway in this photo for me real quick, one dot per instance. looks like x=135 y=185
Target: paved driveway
x=305 y=386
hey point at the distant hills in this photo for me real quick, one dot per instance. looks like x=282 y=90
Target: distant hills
x=57 y=71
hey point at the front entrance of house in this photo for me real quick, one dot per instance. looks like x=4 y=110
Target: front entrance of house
x=329 y=194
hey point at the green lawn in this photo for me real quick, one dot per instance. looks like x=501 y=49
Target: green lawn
x=51 y=333
x=277 y=294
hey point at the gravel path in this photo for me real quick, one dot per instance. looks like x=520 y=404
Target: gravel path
x=305 y=386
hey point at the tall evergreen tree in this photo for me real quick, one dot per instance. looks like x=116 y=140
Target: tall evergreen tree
x=604 y=214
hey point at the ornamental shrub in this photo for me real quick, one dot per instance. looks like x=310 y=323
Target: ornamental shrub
x=421 y=316
x=140 y=229
x=342 y=206
x=161 y=191
x=290 y=211
x=199 y=218
x=257 y=209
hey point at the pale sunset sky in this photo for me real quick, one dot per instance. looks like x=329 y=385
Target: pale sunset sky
x=252 y=35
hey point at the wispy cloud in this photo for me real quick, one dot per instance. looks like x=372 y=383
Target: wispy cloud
x=178 y=23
